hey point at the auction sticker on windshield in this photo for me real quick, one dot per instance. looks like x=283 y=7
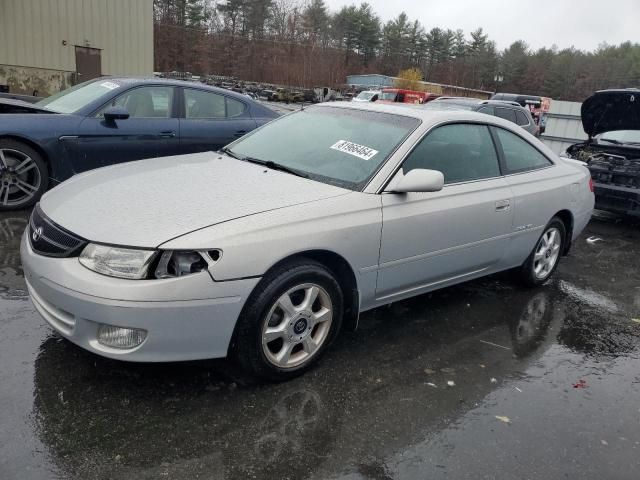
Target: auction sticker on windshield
x=350 y=148
x=109 y=85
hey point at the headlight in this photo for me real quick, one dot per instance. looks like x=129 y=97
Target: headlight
x=137 y=264
x=174 y=263
x=117 y=262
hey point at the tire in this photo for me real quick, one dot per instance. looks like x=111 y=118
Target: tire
x=544 y=258
x=304 y=332
x=21 y=188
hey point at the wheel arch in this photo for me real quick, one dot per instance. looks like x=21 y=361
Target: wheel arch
x=567 y=218
x=31 y=144
x=343 y=273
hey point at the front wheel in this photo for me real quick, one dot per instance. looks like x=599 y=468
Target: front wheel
x=289 y=320
x=23 y=175
x=544 y=258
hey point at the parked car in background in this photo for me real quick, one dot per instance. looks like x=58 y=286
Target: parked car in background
x=510 y=111
x=367 y=96
x=399 y=95
x=15 y=96
x=611 y=119
x=114 y=120
x=264 y=253
x=538 y=106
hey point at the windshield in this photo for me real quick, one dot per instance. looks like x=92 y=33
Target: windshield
x=366 y=96
x=339 y=146
x=622 y=136
x=388 y=96
x=74 y=98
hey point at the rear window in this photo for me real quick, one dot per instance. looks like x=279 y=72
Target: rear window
x=522 y=118
x=506 y=113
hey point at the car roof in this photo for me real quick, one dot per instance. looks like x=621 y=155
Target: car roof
x=427 y=116
x=129 y=81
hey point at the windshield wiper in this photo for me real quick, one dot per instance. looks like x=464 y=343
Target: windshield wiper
x=231 y=153
x=618 y=142
x=276 y=166
x=265 y=163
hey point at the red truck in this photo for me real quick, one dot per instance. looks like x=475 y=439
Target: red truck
x=399 y=95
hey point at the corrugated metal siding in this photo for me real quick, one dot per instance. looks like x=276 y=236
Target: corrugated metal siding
x=564 y=126
x=32 y=32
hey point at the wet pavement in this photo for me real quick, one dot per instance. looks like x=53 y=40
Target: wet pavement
x=483 y=380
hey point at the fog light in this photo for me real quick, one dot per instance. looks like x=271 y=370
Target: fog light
x=120 y=337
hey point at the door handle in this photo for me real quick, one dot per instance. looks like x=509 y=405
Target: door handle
x=167 y=134
x=240 y=133
x=503 y=205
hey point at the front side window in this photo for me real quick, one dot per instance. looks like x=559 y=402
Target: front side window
x=340 y=146
x=144 y=102
x=520 y=155
x=462 y=152
x=201 y=104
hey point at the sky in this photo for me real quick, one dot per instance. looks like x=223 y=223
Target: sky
x=584 y=24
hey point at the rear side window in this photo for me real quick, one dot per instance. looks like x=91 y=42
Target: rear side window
x=522 y=118
x=462 y=152
x=520 y=155
x=486 y=109
x=201 y=104
x=507 y=114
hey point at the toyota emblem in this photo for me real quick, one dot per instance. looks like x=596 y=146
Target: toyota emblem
x=36 y=234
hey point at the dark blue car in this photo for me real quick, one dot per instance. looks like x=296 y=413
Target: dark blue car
x=113 y=120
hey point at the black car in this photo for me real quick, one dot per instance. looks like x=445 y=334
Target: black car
x=611 y=119
x=113 y=120
x=504 y=109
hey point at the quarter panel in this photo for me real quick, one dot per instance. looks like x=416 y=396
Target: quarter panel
x=538 y=196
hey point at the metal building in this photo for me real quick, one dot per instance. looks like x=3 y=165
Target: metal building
x=49 y=45
x=564 y=126
x=371 y=81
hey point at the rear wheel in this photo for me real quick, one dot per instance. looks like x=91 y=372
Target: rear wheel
x=23 y=175
x=544 y=258
x=289 y=320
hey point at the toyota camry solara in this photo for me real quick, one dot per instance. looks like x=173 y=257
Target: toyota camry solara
x=266 y=250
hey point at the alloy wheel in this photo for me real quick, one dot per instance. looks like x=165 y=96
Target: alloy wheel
x=547 y=253
x=297 y=325
x=20 y=177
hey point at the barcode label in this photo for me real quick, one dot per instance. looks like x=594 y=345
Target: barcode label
x=350 y=148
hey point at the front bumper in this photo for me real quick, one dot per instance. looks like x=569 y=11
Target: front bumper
x=188 y=318
x=614 y=198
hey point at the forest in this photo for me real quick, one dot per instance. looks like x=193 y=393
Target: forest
x=303 y=43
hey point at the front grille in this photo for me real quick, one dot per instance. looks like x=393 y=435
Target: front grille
x=51 y=240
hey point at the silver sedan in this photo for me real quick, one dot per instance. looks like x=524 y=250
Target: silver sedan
x=266 y=250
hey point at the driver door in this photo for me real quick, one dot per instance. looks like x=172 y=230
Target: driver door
x=150 y=131
x=431 y=239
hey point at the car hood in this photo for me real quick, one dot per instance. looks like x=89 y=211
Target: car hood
x=610 y=110
x=148 y=202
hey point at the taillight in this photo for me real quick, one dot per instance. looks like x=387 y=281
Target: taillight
x=591 y=184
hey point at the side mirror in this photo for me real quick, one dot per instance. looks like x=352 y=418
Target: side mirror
x=417 y=180
x=112 y=114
